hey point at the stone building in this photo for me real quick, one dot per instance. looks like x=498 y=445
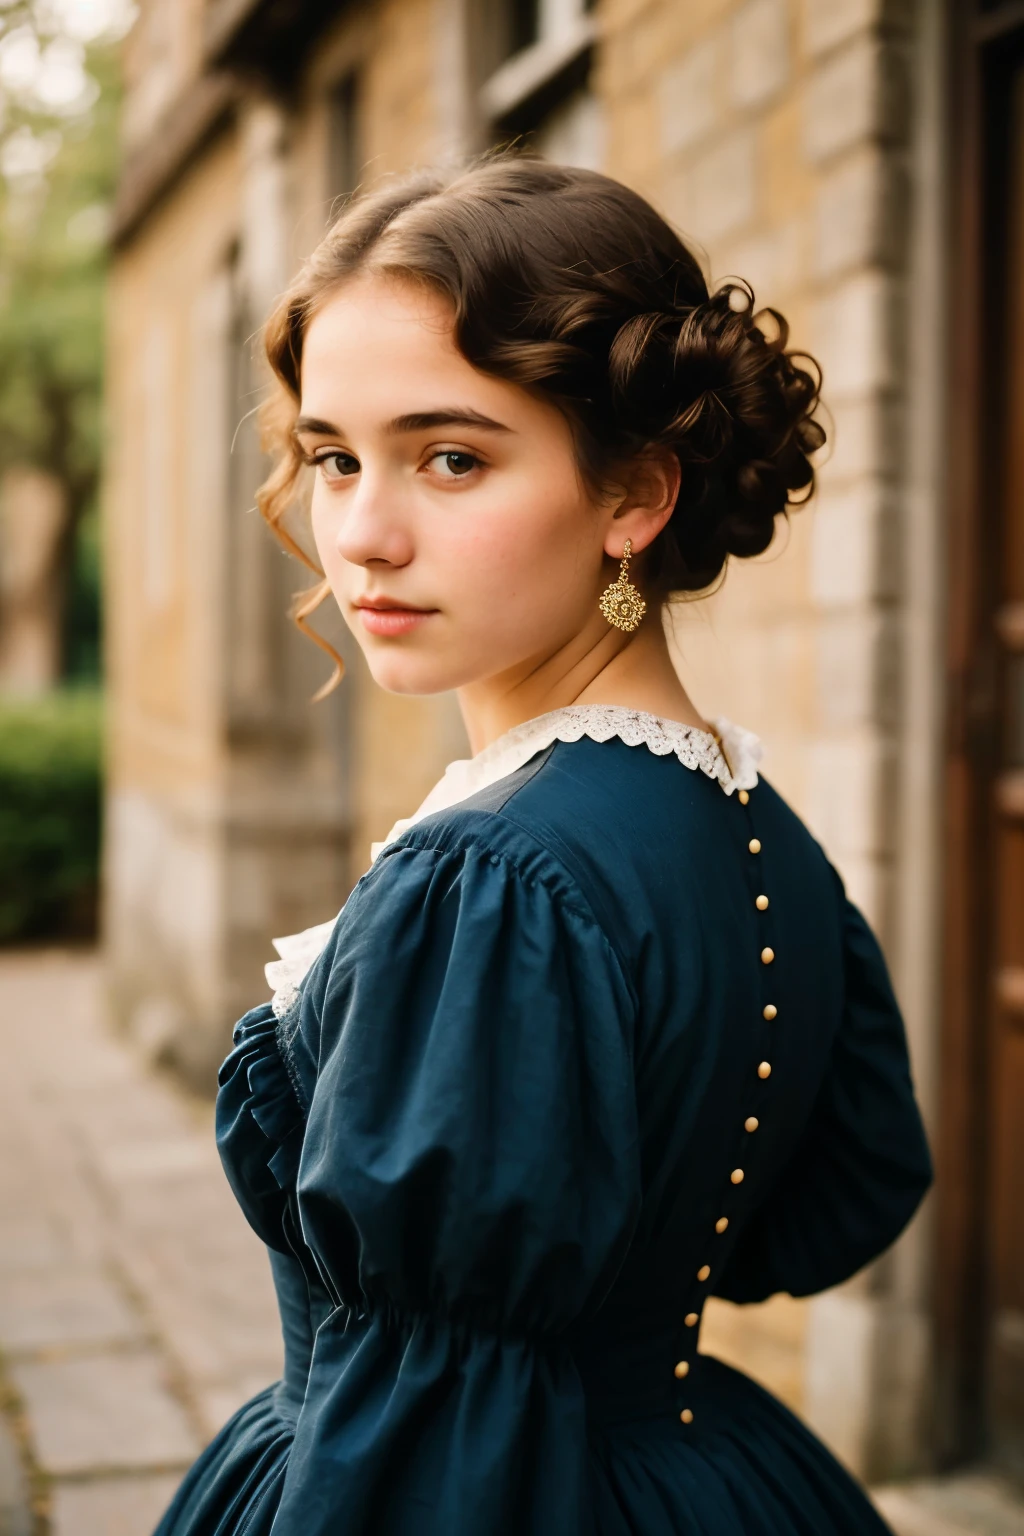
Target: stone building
x=860 y=161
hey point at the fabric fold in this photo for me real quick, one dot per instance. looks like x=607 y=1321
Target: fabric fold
x=260 y=1124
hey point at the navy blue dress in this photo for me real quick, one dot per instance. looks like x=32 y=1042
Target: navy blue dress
x=503 y=1148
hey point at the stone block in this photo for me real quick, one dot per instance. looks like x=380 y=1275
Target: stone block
x=30 y=1240
x=855 y=547
x=867 y=1360
x=849 y=792
x=122 y=1506
x=15 y=1513
x=852 y=97
x=43 y=1309
x=718 y=194
x=857 y=668
x=903 y=1369
x=864 y=441
x=827 y=23
x=855 y=336
x=759 y=38
x=860 y=215
x=839 y=1390
x=772 y=261
x=102 y=1413
x=688 y=93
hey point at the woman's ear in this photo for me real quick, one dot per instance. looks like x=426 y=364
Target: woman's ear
x=650 y=487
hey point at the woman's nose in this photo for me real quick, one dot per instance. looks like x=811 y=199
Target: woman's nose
x=372 y=527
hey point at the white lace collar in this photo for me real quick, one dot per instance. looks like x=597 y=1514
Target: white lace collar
x=732 y=757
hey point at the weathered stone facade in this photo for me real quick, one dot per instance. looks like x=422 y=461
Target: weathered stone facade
x=792 y=140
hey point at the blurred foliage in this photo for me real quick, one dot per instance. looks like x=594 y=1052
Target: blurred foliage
x=59 y=101
x=82 y=629
x=50 y=773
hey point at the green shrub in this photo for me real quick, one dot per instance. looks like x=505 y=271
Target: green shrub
x=50 y=799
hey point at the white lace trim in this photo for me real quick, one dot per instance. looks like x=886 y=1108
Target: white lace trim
x=299 y=953
x=732 y=759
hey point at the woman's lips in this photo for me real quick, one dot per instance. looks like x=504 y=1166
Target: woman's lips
x=392 y=621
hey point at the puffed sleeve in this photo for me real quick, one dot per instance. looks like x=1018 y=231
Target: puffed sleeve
x=469 y=1186
x=862 y=1166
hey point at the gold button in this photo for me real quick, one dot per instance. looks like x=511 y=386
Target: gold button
x=744 y=797
x=754 y=845
x=703 y=1272
x=737 y=1176
x=687 y=1415
x=761 y=903
x=765 y=1069
x=721 y=1224
x=767 y=955
x=769 y=1011
x=750 y=1123
x=691 y=1319
x=683 y=1369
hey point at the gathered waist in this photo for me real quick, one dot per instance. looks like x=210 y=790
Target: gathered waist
x=655 y=1375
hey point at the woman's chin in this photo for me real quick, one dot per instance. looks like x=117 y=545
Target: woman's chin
x=414 y=675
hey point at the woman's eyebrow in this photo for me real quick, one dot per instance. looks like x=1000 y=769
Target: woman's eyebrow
x=415 y=421
x=448 y=416
x=317 y=427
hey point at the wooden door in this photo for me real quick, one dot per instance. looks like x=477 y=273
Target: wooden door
x=1005 y=1341
x=979 y=1274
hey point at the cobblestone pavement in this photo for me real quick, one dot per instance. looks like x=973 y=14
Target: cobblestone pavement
x=136 y=1309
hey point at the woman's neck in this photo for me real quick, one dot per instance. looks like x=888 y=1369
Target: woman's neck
x=634 y=671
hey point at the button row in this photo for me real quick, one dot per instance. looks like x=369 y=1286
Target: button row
x=750 y=1125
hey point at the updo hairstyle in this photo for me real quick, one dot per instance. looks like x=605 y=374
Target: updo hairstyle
x=567 y=283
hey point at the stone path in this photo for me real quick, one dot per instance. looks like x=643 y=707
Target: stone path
x=967 y=1504
x=136 y=1310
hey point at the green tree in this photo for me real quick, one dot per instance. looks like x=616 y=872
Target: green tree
x=58 y=156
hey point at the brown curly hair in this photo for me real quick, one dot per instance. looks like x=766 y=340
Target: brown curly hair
x=567 y=283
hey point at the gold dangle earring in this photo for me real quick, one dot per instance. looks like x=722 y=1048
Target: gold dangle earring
x=621 y=603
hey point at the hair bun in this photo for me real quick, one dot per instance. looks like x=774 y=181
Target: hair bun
x=717 y=385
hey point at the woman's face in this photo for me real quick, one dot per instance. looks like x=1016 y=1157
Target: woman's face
x=450 y=519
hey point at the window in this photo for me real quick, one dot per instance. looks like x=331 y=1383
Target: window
x=344 y=160
x=523 y=24
x=539 y=91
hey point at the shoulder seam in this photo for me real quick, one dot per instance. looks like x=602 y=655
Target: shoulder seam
x=513 y=864
x=583 y=911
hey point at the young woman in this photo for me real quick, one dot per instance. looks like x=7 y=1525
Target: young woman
x=598 y=1035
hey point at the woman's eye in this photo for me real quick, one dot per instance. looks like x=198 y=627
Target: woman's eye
x=335 y=466
x=453 y=465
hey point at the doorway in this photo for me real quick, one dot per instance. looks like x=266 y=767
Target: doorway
x=980 y=1271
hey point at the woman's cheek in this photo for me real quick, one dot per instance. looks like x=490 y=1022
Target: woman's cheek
x=323 y=532
x=498 y=577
